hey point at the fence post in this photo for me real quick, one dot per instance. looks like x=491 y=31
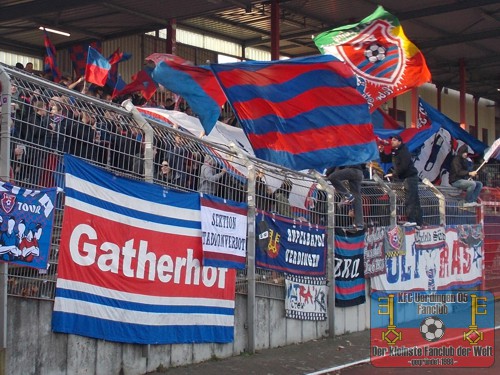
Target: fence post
x=5 y=117
x=392 y=197
x=442 y=201
x=330 y=232
x=148 y=138
x=251 y=291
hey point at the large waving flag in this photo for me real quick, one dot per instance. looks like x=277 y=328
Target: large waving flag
x=97 y=68
x=130 y=264
x=197 y=85
x=435 y=154
x=141 y=82
x=428 y=115
x=382 y=120
x=378 y=51
x=300 y=113
x=50 y=64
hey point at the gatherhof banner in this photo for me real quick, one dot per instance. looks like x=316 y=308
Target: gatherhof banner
x=26 y=223
x=374 y=252
x=291 y=246
x=432 y=265
x=224 y=232
x=305 y=297
x=130 y=264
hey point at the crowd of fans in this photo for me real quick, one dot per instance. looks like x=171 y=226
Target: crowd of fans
x=46 y=123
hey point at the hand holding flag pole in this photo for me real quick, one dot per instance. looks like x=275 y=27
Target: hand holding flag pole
x=493 y=151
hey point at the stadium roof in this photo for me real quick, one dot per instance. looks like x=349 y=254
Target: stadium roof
x=446 y=30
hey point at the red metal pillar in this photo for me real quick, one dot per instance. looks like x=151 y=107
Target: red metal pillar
x=463 y=103
x=275 y=30
x=171 y=37
x=414 y=107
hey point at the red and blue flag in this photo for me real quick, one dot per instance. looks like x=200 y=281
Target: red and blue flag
x=300 y=113
x=50 y=64
x=78 y=55
x=97 y=67
x=197 y=85
x=141 y=82
x=116 y=57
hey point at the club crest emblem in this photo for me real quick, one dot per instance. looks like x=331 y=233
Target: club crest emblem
x=8 y=202
x=375 y=54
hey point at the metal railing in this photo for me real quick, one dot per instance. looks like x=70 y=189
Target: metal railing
x=49 y=120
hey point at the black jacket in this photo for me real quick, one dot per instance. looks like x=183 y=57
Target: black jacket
x=402 y=163
x=459 y=166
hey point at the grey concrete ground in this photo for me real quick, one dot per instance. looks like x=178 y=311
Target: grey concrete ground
x=310 y=357
x=289 y=360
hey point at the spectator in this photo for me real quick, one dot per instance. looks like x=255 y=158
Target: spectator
x=403 y=169
x=29 y=67
x=385 y=157
x=19 y=66
x=167 y=176
x=209 y=176
x=55 y=138
x=263 y=193
x=191 y=178
x=282 y=197
x=459 y=177
x=353 y=174
x=169 y=104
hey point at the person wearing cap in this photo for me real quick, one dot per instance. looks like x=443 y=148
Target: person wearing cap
x=403 y=169
x=459 y=177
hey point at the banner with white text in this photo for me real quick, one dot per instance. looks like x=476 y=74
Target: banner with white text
x=305 y=297
x=130 y=264
x=436 y=259
x=289 y=245
x=224 y=232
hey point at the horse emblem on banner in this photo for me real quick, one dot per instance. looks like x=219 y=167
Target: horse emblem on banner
x=8 y=202
x=375 y=54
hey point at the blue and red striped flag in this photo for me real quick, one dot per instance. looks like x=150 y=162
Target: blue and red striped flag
x=349 y=269
x=50 y=65
x=300 y=113
x=197 y=85
x=97 y=68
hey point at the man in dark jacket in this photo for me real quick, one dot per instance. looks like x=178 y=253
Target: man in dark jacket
x=353 y=174
x=405 y=170
x=459 y=177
